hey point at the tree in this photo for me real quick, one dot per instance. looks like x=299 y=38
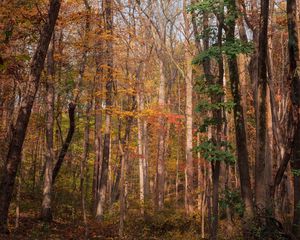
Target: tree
x=108 y=27
x=261 y=109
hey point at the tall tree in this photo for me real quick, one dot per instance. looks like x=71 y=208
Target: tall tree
x=239 y=122
x=189 y=201
x=261 y=108
x=46 y=213
x=108 y=73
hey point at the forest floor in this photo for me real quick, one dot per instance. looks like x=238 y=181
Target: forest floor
x=164 y=226
x=169 y=224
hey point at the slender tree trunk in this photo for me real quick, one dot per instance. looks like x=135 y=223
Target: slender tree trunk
x=123 y=146
x=141 y=150
x=108 y=23
x=84 y=166
x=46 y=213
x=67 y=142
x=189 y=201
x=160 y=169
x=239 y=122
x=261 y=109
x=98 y=126
x=18 y=199
x=13 y=158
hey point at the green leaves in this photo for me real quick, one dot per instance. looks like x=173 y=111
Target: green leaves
x=204 y=6
x=296 y=172
x=234 y=47
x=232 y=199
x=212 y=151
x=208 y=122
x=205 y=105
x=229 y=48
x=213 y=52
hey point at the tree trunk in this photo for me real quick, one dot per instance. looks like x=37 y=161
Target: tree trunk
x=123 y=146
x=46 y=214
x=83 y=166
x=141 y=149
x=189 y=201
x=160 y=169
x=239 y=122
x=66 y=143
x=98 y=124
x=108 y=23
x=13 y=158
x=261 y=109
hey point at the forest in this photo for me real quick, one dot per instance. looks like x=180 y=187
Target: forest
x=150 y=119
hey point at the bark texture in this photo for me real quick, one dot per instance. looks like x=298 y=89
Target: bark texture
x=261 y=109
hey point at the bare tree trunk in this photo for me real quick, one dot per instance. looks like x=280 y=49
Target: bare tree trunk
x=98 y=125
x=108 y=23
x=67 y=142
x=189 y=201
x=13 y=158
x=83 y=166
x=123 y=146
x=122 y=192
x=141 y=150
x=18 y=199
x=239 y=122
x=261 y=109
x=160 y=170
x=46 y=213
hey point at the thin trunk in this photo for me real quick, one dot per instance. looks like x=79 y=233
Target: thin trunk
x=98 y=127
x=13 y=158
x=189 y=201
x=83 y=166
x=261 y=109
x=141 y=137
x=46 y=213
x=108 y=23
x=67 y=142
x=239 y=121
x=124 y=151
x=160 y=169
x=18 y=199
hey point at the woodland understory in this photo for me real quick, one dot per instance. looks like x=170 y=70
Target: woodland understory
x=150 y=119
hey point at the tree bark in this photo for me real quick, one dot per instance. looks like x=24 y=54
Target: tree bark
x=66 y=143
x=261 y=109
x=108 y=23
x=239 y=121
x=83 y=166
x=46 y=213
x=13 y=158
x=160 y=168
x=141 y=148
x=189 y=201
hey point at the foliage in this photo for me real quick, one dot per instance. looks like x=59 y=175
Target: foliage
x=265 y=226
x=232 y=200
x=213 y=151
x=296 y=172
